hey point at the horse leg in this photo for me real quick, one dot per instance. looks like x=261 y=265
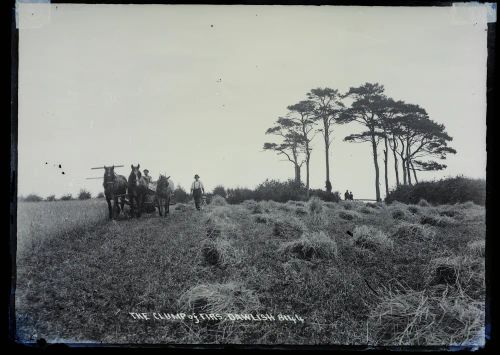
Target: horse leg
x=122 y=202
x=158 y=203
x=136 y=206
x=116 y=206
x=132 y=205
x=139 y=205
x=167 y=205
x=110 y=208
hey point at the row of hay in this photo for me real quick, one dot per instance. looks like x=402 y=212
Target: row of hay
x=219 y=252
x=430 y=317
x=370 y=238
x=310 y=245
x=300 y=238
x=219 y=223
x=314 y=206
x=218 y=298
x=448 y=309
x=439 y=217
x=411 y=232
x=217 y=248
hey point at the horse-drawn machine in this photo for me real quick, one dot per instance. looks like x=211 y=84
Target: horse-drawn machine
x=140 y=194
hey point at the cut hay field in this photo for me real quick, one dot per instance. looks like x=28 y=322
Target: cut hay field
x=341 y=273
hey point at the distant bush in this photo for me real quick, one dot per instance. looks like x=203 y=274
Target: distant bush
x=33 y=198
x=84 y=195
x=274 y=190
x=100 y=195
x=325 y=196
x=50 y=198
x=66 y=197
x=269 y=190
x=239 y=195
x=180 y=195
x=220 y=190
x=280 y=191
x=446 y=191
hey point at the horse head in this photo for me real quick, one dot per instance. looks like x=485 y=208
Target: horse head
x=164 y=183
x=109 y=173
x=163 y=177
x=135 y=174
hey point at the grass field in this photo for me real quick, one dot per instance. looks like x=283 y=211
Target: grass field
x=346 y=273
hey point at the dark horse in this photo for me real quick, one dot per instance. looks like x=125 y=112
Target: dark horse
x=137 y=190
x=115 y=186
x=164 y=189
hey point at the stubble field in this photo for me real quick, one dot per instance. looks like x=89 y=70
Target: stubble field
x=256 y=273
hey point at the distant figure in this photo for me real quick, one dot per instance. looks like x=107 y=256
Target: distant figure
x=196 y=190
x=147 y=176
x=351 y=196
x=346 y=195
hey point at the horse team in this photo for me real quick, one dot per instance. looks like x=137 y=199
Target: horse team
x=117 y=188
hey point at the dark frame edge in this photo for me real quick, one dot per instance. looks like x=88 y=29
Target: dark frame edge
x=14 y=67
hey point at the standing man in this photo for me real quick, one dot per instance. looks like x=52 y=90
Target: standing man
x=196 y=190
x=147 y=176
x=346 y=195
x=351 y=196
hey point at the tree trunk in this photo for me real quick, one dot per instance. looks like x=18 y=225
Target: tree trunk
x=308 y=155
x=403 y=166
x=386 y=152
x=396 y=168
x=408 y=172
x=414 y=172
x=377 y=173
x=307 y=174
x=327 y=160
x=297 y=173
x=403 y=161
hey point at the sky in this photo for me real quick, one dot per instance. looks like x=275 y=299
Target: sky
x=186 y=89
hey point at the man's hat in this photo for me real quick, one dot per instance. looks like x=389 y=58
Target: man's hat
x=146 y=170
x=196 y=176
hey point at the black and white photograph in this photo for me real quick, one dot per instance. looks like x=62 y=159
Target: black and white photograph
x=257 y=175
